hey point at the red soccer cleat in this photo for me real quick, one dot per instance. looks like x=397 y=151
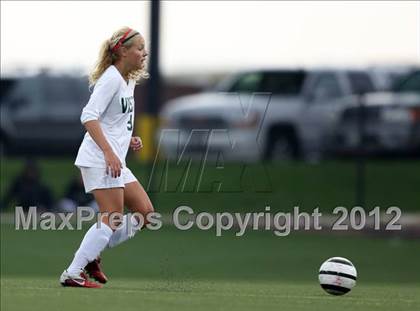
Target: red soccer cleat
x=77 y=280
x=93 y=269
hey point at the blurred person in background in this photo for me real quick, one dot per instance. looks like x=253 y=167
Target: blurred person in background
x=27 y=189
x=75 y=196
x=108 y=118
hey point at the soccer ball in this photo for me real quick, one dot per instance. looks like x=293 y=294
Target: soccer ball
x=337 y=276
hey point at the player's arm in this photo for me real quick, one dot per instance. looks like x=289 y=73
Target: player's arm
x=103 y=93
x=113 y=163
x=136 y=143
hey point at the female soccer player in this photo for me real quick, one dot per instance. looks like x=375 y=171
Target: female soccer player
x=108 y=118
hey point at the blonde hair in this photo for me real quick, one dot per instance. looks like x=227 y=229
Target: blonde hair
x=107 y=57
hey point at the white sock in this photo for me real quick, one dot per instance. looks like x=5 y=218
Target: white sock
x=94 y=242
x=126 y=231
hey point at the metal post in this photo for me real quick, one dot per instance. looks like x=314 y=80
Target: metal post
x=361 y=161
x=147 y=120
x=153 y=101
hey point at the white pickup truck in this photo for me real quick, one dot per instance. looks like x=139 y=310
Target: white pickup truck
x=260 y=114
x=391 y=121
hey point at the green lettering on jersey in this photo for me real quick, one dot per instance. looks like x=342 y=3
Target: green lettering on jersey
x=127 y=106
x=130 y=123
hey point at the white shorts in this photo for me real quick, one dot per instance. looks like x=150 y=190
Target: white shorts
x=97 y=178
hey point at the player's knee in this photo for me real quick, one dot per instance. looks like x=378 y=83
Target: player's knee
x=150 y=209
x=147 y=211
x=142 y=214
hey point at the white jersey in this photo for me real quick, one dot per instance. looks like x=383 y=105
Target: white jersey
x=112 y=104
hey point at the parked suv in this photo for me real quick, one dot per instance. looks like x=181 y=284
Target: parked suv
x=261 y=114
x=40 y=114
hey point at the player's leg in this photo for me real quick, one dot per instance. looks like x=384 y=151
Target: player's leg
x=97 y=237
x=137 y=201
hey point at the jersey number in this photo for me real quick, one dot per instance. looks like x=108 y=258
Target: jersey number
x=130 y=123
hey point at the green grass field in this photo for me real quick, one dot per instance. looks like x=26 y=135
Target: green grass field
x=282 y=186
x=129 y=294
x=193 y=270
x=171 y=269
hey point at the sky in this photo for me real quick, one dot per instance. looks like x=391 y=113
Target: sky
x=213 y=36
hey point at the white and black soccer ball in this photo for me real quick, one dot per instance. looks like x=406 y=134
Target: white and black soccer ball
x=337 y=276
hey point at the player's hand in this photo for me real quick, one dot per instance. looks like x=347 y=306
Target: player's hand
x=113 y=164
x=136 y=144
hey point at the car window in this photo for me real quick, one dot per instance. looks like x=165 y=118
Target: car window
x=360 y=82
x=283 y=83
x=248 y=83
x=24 y=94
x=50 y=91
x=409 y=84
x=48 y=96
x=65 y=91
x=326 y=87
x=6 y=85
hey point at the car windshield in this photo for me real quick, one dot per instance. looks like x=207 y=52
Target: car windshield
x=275 y=82
x=247 y=83
x=411 y=83
x=283 y=83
